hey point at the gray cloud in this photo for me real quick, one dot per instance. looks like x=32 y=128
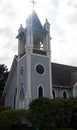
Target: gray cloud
x=74 y=61
x=6 y=32
x=8 y=9
x=73 y=19
x=55 y=2
x=72 y=3
x=1 y=1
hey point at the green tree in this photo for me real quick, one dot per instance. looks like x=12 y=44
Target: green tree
x=3 y=77
x=55 y=113
x=3 y=108
x=73 y=106
x=11 y=118
x=40 y=112
x=62 y=114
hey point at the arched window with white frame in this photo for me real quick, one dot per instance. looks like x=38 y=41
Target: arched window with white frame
x=22 y=97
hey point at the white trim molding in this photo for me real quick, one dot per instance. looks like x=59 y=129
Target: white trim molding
x=40 y=85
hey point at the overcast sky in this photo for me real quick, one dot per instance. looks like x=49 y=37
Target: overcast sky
x=62 y=15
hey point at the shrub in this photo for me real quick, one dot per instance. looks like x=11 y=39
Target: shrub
x=57 y=113
x=10 y=118
x=3 y=108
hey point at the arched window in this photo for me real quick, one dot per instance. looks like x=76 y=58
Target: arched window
x=53 y=92
x=64 y=94
x=22 y=94
x=40 y=92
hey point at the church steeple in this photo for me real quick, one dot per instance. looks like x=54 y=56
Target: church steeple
x=37 y=35
x=34 y=64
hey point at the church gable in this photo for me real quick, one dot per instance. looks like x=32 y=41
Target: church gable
x=11 y=85
x=11 y=74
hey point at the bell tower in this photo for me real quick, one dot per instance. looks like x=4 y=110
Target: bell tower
x=34 y=62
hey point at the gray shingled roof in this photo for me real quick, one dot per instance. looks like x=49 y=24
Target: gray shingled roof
x=62 y=74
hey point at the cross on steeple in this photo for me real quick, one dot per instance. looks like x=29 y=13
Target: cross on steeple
x=33 y=3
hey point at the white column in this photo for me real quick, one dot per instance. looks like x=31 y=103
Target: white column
x=28 y=95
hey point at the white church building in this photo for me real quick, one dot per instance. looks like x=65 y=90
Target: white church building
x=32 y=74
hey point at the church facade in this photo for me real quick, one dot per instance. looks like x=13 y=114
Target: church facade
x=32 y=74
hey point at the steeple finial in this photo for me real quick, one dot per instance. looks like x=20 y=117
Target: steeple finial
x=33 y=3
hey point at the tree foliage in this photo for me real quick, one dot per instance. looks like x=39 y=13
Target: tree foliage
x=40 y=112
x=3 y=108
x=10 y=118
x=3 y=77
x=57 y=113
x=43 y=113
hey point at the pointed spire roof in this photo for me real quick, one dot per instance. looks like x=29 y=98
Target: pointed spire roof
x=36 y=24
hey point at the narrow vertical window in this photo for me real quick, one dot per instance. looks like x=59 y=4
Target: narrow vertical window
x=53 y=92
x=64 y=95
x=40 y=92
x=22 y=94
x=22 y=98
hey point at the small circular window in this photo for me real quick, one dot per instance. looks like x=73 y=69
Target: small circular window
x=40 y=69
